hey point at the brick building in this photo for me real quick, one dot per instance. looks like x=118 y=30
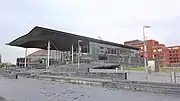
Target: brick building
x=133 y=43
x=151 y=44
x=161 y=55
x=174 y=55
x=156 y=51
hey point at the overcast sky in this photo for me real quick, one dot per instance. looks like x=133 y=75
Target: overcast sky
x=113 y=20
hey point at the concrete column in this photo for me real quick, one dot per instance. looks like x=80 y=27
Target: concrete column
x=48 y=57
x=116 y=70
x=25 y=61
x=72 y=57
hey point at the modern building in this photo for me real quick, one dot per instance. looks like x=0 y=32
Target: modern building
x=67 y=47
x=95 y=53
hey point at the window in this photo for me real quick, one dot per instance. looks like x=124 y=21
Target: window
x=159 y=50
x=84 y=49
x=120 y=51
x=109 y=50
x=134 y=44
x=115 y=51
x=106 y=51
x=156 y=42
x=102 y=51
x=101 y=47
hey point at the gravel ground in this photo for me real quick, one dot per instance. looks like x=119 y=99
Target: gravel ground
x=24 y=89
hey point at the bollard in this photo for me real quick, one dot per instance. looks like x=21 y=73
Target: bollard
x=173 y=77
x=126 y=76
x=16 y=76
x=116 y=70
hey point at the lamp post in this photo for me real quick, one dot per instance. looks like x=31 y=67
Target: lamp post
x=79 y=49
x=145 y=48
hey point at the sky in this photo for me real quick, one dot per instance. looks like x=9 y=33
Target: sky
x=112 y=20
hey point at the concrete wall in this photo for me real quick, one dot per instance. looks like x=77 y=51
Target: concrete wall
x=70 y=69
x=98 y=75
x=144 y=86
x=121 y=84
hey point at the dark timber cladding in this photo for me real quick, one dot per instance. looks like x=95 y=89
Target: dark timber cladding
x=39 y=36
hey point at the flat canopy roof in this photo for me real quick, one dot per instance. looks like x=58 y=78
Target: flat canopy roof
x=38 y=37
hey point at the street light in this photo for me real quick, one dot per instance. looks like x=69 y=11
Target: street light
x=79 y=49
x=145 y=47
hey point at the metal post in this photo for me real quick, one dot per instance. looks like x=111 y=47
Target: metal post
x=72 y=58
x=25 y=61
x=145 y=50
x=48 y=54
x=173 y=76
x=144 y=39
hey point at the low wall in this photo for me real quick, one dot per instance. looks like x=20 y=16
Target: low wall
x=70 y=69
x=9 y=75
x=144 y=86
x=127 y=85
x=109 y=76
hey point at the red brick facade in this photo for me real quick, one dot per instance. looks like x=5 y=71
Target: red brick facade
x=174 y=55
x=164 y=56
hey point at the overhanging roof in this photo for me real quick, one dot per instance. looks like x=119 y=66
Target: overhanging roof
x=39 y=36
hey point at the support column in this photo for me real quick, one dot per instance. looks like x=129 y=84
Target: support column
x=25 y=61
x=48 y=54
x=72 y=57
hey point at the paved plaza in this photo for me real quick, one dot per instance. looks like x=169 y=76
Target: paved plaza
x=24 y=89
